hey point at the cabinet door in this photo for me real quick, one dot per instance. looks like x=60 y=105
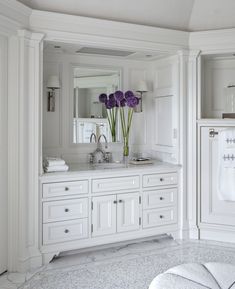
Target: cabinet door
x=104 y=215
x=213 y=210
x=128 y=212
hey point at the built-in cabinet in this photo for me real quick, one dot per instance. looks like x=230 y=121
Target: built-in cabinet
x=78 y=213
x=216 y=217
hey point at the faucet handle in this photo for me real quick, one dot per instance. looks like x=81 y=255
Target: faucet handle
x=91 y=158
x=108 y=157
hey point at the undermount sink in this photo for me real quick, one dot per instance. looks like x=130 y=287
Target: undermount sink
x=114 y=165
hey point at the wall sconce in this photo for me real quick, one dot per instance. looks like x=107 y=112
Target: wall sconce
x=53 y=83
x=141 y=89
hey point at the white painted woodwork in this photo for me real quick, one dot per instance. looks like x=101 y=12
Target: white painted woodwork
x=65 y=231
x=116 y=210
x=152 y=180
x=65 y=189
x=3 y=156
x=213 y=210
x=159 y=198
x=65 y=210
x=166 y=104
x=159 y=217
x=128 y=212
x=115 y=184
x=104 y=215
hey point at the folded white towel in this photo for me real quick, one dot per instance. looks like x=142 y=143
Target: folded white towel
x=51 y=169
x=49 y=162
x=226 y=178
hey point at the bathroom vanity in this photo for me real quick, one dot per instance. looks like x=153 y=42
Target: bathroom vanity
x=91 y=205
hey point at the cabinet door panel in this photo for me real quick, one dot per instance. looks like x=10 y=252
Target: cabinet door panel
x=213 y=210
x=128 y=212
x=104 y=215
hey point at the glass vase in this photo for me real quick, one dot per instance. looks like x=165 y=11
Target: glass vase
x=126 y=151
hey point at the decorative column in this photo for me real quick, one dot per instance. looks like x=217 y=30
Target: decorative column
x=192 y=108
x=25 y=84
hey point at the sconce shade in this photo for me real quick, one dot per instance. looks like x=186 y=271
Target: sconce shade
x=142 y=86
x=53 y=82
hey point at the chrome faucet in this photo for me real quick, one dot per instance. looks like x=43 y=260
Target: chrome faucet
x=99 y=155
x=93 y=135
x=106 y=142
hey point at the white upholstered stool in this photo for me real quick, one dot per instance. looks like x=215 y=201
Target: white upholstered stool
x=196 y=276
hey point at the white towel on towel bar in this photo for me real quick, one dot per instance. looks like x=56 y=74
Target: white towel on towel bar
x=227 y=165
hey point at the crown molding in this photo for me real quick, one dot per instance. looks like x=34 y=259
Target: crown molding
x=13 y=16
x=92 y=27
x=210 y=41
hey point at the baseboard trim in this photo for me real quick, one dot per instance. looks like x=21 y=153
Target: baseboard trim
x=217 y=235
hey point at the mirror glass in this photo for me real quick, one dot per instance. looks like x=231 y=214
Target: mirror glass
x=89 y=114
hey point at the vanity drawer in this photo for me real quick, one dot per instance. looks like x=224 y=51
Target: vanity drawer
x=115 y=184
x=160 y=180
x=65 y=210
x=159 y=198
x=65 y=189
x=158 y=217
x=65 y=231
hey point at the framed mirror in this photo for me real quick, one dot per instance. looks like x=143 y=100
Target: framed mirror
x=89 y=114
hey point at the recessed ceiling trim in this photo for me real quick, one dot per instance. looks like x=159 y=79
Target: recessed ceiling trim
x=104 y=51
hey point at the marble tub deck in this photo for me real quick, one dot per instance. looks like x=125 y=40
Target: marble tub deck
x=121 y=267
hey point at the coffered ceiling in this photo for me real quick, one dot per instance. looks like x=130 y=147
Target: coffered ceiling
x=187 y=15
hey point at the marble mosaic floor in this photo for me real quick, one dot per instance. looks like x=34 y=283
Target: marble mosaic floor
x=123 y=267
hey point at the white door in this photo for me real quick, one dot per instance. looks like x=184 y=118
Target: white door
x=128 y=212
x=213 y=210
x=104 y=215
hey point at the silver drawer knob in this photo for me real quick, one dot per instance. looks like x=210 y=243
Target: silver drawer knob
x=66 y=188
x=161 y=179
x=161 y=198
x=66 y=210
x=120 y=201
x=66 y=231
x=161 y=216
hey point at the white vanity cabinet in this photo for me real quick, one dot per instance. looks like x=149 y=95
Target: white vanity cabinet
x=81 y=210
x=115 y=214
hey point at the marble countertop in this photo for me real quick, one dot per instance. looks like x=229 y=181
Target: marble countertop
x=78 y=170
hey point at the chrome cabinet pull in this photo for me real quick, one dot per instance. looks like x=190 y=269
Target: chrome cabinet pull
x=161 y=179
x=161 y=198
x=161 y=216
x=115 y=202
x=66 y=231
x=212 y=132
x=66 y=210
x=120 y=201
x=66 y=188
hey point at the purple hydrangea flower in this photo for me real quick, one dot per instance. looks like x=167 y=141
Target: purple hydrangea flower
x=123 y=102
x=111 y=96
x=132 y=101
x=119 y=95
x=129 y=94
x=103 y=97
x=110 y=103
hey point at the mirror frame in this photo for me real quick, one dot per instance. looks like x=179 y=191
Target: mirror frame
x=71 y=97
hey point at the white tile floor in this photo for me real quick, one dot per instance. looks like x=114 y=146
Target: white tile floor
x=121 y=267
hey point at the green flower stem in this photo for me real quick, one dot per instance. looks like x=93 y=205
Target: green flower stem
x=126 y=128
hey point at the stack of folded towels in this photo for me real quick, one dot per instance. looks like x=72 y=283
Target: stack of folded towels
x=54 y=165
